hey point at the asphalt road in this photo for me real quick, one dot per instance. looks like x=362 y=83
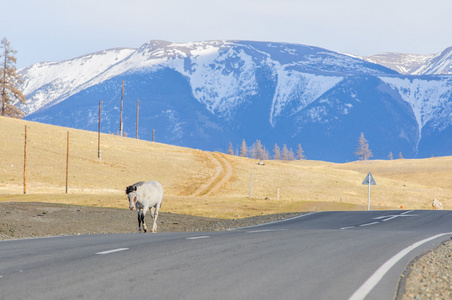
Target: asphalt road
x=328 y=255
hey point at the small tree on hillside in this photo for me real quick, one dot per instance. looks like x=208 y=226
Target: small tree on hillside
x=285 y=153
x=291 y=155
x=276 y=152
x=9 y=82
x=390 y=157
x=231 y=149
x=300 y=152
x=243 y=149
x=363 y=151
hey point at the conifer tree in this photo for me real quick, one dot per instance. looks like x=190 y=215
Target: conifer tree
x=243 y=149
x=276 y=152
x=300 y=152
x=363 y=151
x=266 y=154
x=257 y=151
x=285 y=153
x=9 y=82
x=291 y=155
x=231 y=149
x=400 y=155
x=390 y=157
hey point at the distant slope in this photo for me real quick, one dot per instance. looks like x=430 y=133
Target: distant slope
x=303 y=185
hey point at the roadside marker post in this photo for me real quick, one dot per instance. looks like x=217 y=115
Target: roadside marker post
x=369 y=180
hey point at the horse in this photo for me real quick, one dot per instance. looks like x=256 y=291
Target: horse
x=143 y=196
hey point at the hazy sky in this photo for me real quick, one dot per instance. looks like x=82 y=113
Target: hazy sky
x=53 y=30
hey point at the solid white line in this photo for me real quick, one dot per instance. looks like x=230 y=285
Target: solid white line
x=368 y=224
x=348 y=227
x=198 y=237
x=373 y=280
x=274 y=222
x=112 y=251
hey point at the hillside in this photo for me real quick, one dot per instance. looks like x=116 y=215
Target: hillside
x=206 y=94
x=204 y=183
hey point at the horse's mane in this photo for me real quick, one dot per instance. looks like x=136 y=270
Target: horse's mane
x=132 y=187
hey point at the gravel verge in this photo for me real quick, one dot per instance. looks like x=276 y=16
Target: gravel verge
x=30 y=220
x=429 y=276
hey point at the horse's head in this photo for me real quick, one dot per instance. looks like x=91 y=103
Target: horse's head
x=131 y=192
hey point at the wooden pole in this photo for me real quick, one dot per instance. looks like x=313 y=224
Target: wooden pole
x=25 y=162
x=67 y=164
x=138 y=109
x=99 y=154
x=122 y=101
x=251 y=186
x=153 y=135
x=368 y=193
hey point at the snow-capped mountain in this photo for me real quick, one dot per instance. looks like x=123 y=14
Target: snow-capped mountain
x=439 y=64
x=207 y=94
x=401 y=62
x=414 y=64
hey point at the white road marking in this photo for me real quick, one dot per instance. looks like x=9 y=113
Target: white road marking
x=112 y=251
x=373 y=280
x=348 y=227
x=265 y=230
x=390 y=217
x=384 y=219
x=198 y=237
x=368 y=224
x=274 y=222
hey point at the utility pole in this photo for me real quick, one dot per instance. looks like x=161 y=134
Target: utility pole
x=138 y=109
x=67 y=164
x=25 y=162
x=99 y=154
x=122 y=101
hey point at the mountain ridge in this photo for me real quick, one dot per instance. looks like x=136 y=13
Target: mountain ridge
x=205 y=94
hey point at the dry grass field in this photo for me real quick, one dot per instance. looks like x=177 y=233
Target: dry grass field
x=204 y=183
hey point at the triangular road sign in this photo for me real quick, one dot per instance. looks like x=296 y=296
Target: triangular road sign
x=369 y=180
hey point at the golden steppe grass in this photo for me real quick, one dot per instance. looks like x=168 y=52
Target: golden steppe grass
x=303 y=185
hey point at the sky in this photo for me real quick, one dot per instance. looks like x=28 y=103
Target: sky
x=55 y=30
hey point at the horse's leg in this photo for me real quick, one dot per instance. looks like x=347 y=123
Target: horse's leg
x=139 y=219
x=156 y=214
x=143 y=212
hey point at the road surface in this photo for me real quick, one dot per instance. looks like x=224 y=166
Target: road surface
x=327 y=255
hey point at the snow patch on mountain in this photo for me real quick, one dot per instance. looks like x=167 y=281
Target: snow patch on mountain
x=49 y=81
x=427 y=98
x=297 y=90
x=219 y=79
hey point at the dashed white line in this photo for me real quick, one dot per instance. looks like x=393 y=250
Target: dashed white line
x=112 y=251
x=348 y=227
x=198 y=237
x=368 y=224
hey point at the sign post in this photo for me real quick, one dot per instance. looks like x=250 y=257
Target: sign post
x=369 y=180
